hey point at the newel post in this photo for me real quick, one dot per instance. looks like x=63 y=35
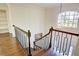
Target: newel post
x=50 y=30
x=29 y=35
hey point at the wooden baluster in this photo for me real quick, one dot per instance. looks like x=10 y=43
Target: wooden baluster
x=54 y=40
x=61 y=43
x=20 y=35
x=69 y=45
x=66 y=44
x=57 y=41
x=20 y=38
x=15 y=33
x=25 y=41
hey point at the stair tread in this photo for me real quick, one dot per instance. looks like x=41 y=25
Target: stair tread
x=38 y=52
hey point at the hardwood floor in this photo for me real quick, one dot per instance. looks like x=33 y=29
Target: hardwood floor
x=10 y=47
x=39 y=52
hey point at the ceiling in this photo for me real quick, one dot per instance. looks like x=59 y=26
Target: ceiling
x=44 y=4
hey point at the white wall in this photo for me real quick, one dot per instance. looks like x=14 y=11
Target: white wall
x=37 y=19
x=52 y=14
x=51 y=17
x=27 y=17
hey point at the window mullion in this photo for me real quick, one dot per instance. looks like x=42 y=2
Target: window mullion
x=73 y=20
x=68 y=19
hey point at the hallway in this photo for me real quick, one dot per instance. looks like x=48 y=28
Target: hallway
x=10 y=47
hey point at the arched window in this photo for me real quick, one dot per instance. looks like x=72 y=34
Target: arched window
x=68 y=19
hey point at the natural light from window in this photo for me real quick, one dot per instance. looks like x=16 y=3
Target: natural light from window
x=68 y=19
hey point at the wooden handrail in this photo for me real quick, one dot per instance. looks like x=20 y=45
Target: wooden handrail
x=66 y=32
x=51 y=30
x=20 y=29
x=38 y=46
x=42 y=37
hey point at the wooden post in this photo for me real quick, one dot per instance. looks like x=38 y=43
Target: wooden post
x=29 y=35
x=50 y=44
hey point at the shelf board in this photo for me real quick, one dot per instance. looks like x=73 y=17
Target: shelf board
x=4 y=31
x=3 y=24
x=3 y=28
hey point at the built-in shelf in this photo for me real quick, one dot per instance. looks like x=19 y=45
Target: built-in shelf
x=4 y=31
x=3 y=28
x=3 y=22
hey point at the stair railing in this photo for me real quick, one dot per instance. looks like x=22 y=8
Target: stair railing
x=50 y=41
x=23 y=36
x=61 y=41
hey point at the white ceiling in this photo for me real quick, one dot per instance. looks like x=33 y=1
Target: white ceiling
x=45 y=4
x=55 y=4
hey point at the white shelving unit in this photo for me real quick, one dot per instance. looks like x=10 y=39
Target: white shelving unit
x=3 y=22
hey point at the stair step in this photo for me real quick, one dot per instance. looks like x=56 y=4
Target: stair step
x=38 y=52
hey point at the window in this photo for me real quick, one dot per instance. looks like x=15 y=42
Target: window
x=68 y=19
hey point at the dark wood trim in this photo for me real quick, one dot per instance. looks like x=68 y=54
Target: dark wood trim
x=42 y=37
x=38 y=46
x=50 y=44
x=20 y=29
x=29 y=35
x=66 y=32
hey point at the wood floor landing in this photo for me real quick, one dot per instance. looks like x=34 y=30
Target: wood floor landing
x=4 y=35
x=10 y=47
x=39 y=52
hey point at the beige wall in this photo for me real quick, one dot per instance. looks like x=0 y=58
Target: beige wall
x=27 y=17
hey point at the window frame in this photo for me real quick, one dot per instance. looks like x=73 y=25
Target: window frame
x=62 y=22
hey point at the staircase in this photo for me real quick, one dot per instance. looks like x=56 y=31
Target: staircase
x=54 y=43
x=39 y=52
x=60 y=43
